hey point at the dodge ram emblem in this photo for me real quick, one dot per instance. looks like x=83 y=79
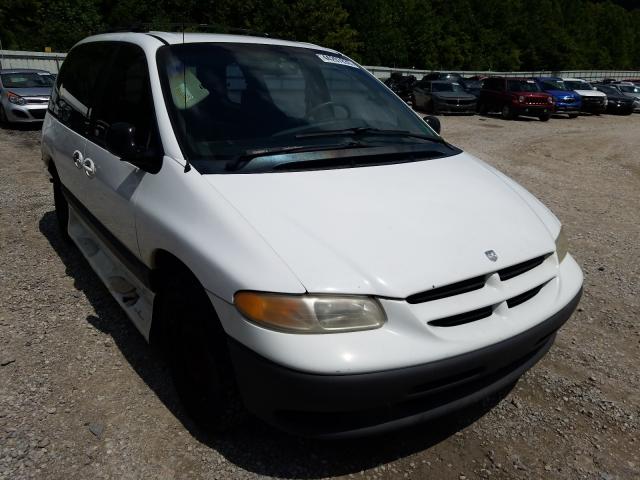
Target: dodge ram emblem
x=491 y=255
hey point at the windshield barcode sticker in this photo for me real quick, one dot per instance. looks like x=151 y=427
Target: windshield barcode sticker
x=336 y=60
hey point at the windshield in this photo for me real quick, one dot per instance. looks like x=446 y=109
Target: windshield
x=522 y=86
x=577 y=85
x=629 y=89
x=608 y=90
x=224 y=99
x=446 y=87
x=554 y=85
x=26 y=80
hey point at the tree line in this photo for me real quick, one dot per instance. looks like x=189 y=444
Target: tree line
x=427 y=34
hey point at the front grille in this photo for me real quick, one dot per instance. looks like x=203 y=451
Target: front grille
x=37 y=101
x=593 y=100
x=568 y=100
x=523 y=297
x=480 y=313
x=475 y=283
x=39 y=114
x=460 y=102
x=536 y=101
x=520 y=268
x=465 y=286
x=463 y=318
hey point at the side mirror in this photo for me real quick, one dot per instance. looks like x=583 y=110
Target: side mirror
x=121 y=141
x=433 y=122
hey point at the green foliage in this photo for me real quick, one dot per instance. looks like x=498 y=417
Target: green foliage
x=436 y=34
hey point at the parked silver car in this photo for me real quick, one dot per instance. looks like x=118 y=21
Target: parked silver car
x=24 y=94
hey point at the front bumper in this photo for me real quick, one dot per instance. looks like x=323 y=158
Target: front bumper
x=567 y=107
x=442 y=106
x=24 y=113
x=620 y=108
x=335 y=406
x=533 y=110
x=593 y=105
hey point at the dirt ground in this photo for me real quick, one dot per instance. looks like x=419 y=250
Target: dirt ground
x=83 y=396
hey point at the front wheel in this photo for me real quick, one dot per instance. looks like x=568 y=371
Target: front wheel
x=507 y=112
x=194 y=345
x=573 y=115
x=3 y=116
x=544 y=117
x=61 y=206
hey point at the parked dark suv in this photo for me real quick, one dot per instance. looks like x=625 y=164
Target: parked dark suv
x=402 y=85
x=514 y=96
x=443 y=97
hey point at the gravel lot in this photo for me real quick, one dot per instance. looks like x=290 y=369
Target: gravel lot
x=83 y=396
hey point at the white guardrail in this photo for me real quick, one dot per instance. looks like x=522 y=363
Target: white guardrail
x=40 y=60
x=52 y=61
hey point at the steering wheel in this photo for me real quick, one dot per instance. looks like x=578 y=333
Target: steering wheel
x=322 y=106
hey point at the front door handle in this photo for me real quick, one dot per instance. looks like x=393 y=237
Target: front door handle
x=77 y=158
x=89 y=168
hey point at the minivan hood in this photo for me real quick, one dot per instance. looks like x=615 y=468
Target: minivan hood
x=390 y=230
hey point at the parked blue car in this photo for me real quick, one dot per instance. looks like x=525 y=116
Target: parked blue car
x=565 y=100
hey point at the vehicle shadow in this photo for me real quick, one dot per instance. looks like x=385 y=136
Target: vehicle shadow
x=519 y=118
x=254 y=446
x=21 y=127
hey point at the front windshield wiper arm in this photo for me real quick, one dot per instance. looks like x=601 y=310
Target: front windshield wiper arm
x=245 y=157
x=359 y=131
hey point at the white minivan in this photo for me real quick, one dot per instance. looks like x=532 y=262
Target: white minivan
x=295 y=239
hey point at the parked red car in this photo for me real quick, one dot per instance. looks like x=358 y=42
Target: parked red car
x=514 y=96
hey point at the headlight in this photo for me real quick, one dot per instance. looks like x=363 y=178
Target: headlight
x=310 y=313
x=550 y=99
x=562 y=246
x=16 y=99
x=521 y=99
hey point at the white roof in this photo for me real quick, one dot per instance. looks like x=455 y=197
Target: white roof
x=174 y=38
x=564 y=79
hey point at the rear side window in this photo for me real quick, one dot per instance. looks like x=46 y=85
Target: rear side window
x=125 y=98
x=75 y=89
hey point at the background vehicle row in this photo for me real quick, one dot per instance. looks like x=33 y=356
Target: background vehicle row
x=511 y=97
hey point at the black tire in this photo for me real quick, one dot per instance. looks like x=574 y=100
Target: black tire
x=61 y=205
x=3 y=116
x=482 y=108
x=507 y=112
x=544 y=117
x=573 y=115
x=194 y=345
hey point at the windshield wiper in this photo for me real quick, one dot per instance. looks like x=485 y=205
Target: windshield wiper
x=245 y=157
x=362 y=131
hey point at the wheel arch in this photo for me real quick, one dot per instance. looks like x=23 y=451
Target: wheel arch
x=165 y=267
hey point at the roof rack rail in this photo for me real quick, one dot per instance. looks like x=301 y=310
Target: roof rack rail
x=186 y=27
